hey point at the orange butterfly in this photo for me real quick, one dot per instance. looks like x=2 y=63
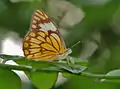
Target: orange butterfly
x=43 y=41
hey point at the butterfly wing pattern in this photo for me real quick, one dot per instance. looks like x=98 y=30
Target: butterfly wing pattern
x=43 y=41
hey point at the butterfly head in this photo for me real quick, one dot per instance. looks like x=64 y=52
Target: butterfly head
x=64 y=54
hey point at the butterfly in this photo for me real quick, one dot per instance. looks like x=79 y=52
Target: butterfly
x=43 y=41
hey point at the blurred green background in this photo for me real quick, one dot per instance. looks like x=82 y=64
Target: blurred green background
x=96 y=23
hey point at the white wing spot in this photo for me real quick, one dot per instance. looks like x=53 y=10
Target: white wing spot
x=47 y=26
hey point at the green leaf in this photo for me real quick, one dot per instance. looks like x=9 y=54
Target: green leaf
x=10 y=57
x=112 y=73
x=34 y=63
x=80 y=82
x=43 y=80
x=9 y=80
x=76 y=69
x=24 y=61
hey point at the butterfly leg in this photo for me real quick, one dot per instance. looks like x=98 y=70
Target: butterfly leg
x=2 y=61
x=70 y=61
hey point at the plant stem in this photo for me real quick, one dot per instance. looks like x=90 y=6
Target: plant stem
x=86 y=74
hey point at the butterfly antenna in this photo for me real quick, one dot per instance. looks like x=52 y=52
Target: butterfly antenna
x=60 y=18
x=75 y=44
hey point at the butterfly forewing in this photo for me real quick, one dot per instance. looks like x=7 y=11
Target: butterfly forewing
x=43 y=41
